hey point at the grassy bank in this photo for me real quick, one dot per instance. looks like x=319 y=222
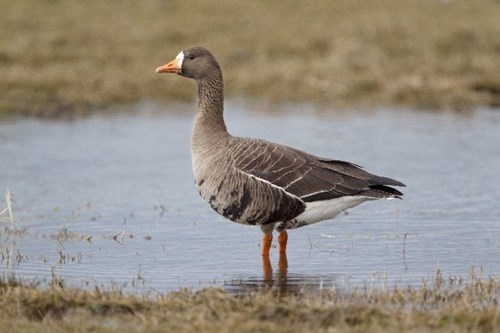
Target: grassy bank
x=62 y=57
x=447 y=305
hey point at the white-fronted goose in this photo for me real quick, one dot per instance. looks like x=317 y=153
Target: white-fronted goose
x=256 y=182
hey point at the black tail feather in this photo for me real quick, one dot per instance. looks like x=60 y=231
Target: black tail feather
x=384 y=191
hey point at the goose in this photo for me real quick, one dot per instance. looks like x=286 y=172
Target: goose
x=257 y=182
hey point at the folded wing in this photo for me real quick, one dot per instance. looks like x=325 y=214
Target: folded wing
x=306 y=176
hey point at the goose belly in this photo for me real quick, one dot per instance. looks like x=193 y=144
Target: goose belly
x=323 y=210
x=230 y=204
x=246 y=200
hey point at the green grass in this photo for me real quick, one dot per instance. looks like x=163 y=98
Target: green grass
x=445 y=305
x=66 y=57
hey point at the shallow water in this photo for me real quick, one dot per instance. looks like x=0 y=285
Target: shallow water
x=109 y=200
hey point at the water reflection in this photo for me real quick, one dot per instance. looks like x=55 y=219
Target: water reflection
x=281 y=281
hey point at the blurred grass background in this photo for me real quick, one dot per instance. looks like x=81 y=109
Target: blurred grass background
x=68 y=57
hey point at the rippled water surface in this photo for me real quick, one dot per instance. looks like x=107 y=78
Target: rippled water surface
x=109 y=200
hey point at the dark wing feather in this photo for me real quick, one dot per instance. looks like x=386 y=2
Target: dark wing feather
x=306 y=176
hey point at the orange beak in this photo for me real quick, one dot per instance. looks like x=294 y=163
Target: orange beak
x=171 y=67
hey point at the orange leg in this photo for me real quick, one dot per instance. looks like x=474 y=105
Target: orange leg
x=267 y=239
x=282 y=240
x=267 y=268
x=283 y=265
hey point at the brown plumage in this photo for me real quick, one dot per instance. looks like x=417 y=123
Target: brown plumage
x=257 y=182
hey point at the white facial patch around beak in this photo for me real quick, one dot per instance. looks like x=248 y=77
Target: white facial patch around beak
x=180 y=59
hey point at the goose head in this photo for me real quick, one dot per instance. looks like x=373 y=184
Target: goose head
x=196 y=63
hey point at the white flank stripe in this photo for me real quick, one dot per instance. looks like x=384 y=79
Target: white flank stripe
x=271 y=184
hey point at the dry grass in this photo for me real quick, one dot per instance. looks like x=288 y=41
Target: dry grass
x=447 y=305
x=65 y=57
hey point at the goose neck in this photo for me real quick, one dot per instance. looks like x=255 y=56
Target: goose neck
x=210 y=104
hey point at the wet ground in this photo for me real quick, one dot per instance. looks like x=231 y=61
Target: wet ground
x=109 y=200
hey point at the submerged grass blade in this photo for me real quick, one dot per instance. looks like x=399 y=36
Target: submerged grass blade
x=9 y=200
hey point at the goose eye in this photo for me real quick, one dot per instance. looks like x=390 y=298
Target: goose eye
x=190 y=57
